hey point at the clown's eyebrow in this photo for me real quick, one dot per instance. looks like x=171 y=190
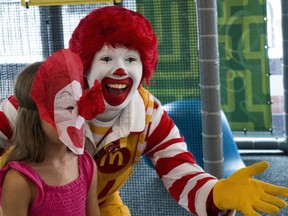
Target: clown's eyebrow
x=64 y=94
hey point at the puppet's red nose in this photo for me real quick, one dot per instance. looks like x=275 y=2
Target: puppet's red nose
x=120 y=72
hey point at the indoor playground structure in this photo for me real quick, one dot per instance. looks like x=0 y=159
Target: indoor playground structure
x=218 y=62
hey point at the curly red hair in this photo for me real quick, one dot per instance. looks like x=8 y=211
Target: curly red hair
x=116 y=26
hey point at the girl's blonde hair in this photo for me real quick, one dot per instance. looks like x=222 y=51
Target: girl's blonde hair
x=28 y=138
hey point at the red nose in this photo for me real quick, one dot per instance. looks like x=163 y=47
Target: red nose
x=120 y=72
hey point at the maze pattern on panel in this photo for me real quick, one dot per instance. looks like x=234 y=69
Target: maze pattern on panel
x=244 y=69
x=175 y=24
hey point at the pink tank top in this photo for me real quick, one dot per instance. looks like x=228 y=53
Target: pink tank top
x=69 y=199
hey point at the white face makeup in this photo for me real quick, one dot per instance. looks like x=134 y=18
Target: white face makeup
x=119 y=70
x=69 y=124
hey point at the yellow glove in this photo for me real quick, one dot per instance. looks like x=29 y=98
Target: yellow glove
x=243 y=193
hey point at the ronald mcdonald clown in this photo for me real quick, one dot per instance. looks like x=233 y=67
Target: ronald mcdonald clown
x=118 y=47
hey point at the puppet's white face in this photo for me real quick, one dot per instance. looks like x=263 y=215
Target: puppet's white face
x=69 y=124
x=119 y=70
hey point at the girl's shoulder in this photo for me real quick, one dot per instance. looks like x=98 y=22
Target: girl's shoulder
x=17 y=188
x=18 y=171
x=16 y=182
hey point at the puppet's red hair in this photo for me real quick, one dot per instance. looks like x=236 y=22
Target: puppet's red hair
x=115 y=26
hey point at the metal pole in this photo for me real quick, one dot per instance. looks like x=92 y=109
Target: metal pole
x=210 y=88
x=51 y=29
x=284 y=9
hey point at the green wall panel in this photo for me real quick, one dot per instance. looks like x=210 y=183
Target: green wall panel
x=244 y=69
x=175 y=24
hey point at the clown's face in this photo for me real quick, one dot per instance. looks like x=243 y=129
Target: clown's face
x=70 y=126
x=119 y=70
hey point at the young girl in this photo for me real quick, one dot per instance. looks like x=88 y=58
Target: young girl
x=42 y=176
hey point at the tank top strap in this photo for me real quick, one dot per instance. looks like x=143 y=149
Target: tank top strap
x=29 y=172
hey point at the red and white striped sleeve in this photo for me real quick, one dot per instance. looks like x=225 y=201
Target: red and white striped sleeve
x=186 y=182
x=8 y=113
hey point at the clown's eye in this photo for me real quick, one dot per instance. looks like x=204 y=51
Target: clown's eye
x=130 y=59
x=70 y=108
x=106 y=59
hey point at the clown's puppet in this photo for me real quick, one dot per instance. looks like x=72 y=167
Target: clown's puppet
x=57 y=91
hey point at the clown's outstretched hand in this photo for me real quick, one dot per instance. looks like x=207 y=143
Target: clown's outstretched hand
x=243 y=193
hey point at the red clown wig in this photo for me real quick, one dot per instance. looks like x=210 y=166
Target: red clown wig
x=116 y=26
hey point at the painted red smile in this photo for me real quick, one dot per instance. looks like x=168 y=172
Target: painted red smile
x=116 y=91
